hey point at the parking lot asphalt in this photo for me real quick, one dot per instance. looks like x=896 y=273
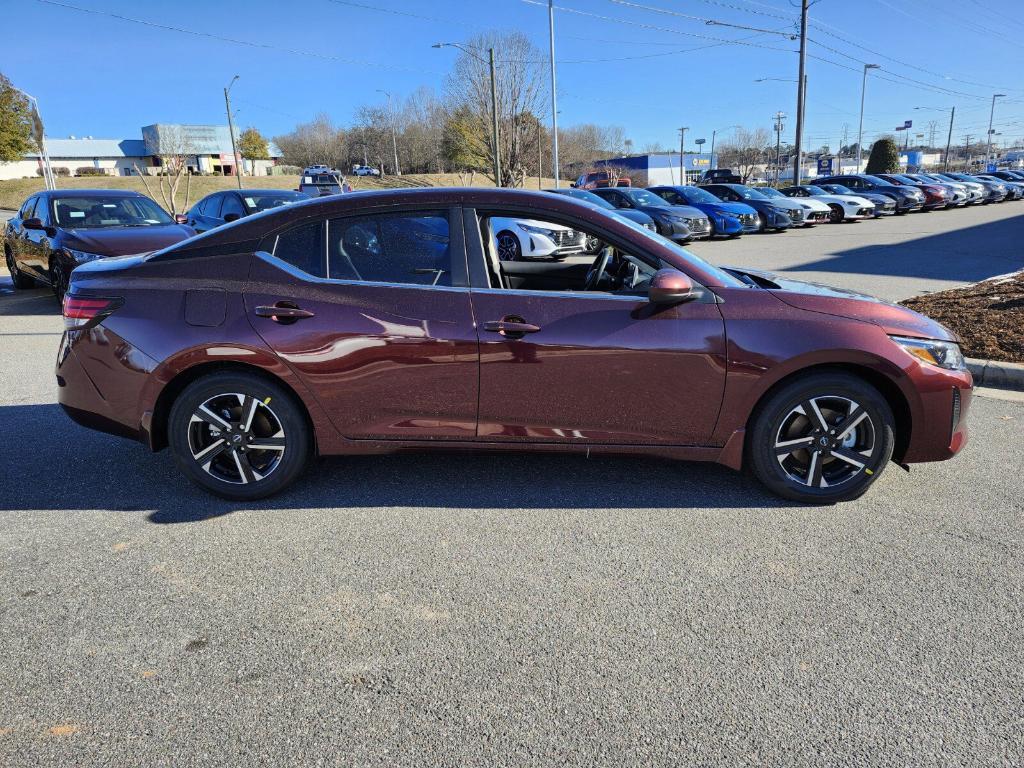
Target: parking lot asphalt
x=454 y=609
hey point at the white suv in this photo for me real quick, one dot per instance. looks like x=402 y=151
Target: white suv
x=365 y=170
x=518 y=239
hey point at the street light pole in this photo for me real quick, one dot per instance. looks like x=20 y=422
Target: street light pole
x=682 y=152
x=554 y=95
x=949 y=140
x=231 y=130
x=394 y=133
x=48 y=178
x=860 y=129
x=991 y=114
x=779 y=117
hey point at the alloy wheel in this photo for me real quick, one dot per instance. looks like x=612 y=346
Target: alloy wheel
x=236 y=438
x=835 y=214
x=825 y=441
x=508 y=246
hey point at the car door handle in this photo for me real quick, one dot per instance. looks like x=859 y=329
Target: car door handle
x=283 y=312
x=511 y=328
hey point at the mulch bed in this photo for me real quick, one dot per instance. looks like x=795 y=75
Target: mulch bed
x=988 y=316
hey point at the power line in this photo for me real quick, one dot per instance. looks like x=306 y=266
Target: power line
x=233 y=41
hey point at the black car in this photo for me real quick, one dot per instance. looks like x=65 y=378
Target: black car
x=772 y=214
x=907 y=199
x=224 y=207
x=679 y=223
x=55 y=231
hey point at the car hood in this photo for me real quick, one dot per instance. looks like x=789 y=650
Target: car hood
x=786 y=203
x=638 y=217
x=123 y=241
x=855 y=199
x=737 y=209
x=675 y=210
x=816 y=297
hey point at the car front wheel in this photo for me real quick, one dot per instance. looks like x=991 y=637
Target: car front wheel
x=20 y=280
x=822 y=439
x=238 y=435
x=508 y=246
x=835 y=213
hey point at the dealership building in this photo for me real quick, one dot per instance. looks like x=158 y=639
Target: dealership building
x=207 y=149
x=661 y=167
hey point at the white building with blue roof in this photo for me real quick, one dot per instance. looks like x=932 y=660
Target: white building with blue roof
x=207 y=149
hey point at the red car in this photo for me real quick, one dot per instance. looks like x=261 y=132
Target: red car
x=385 y=321
x=600 y=179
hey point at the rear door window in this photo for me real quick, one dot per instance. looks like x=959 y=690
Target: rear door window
x=411 y=248
x=232 y=205
x=303 y=248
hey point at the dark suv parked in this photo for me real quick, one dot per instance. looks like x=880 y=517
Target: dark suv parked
x=225 y=207
x=907 y=198
x=57 y=230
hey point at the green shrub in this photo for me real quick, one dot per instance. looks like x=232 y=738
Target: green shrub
x=885 y=157
x=88 y=171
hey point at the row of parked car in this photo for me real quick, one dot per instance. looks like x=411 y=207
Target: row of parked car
x=722 y=207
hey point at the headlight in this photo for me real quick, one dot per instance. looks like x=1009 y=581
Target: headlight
x=536 y=230
x=944 y=354
x=81 y=257
x=651 y=226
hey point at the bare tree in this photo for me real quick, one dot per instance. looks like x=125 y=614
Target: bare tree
x=173 y=149
x=746 y=151
x=519 y=87
x=318 y=142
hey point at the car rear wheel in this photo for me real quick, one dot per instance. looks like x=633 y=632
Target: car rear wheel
x=508 y=246
x=21 y=281
x=822 y=439
x=835 y=213
x=238 y=435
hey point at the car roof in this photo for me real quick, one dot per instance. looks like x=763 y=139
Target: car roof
x=90 y=193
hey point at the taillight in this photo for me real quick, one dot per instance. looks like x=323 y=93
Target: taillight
x=82 y=312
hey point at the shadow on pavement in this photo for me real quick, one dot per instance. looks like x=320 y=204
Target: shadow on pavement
x=28 y=302
x=49 y=462
x=969 y=254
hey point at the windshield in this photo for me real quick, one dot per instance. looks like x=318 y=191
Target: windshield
x=769 y=192
x=905 y=179
x=643 y=197
x=698 y=195
x=747 y=193
x=815 y=190
x=838 y=189
x=584 y=195
x=264 y=201
x=95 y=211
x=878 y=181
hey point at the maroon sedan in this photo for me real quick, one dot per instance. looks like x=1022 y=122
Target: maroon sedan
x=385 y=321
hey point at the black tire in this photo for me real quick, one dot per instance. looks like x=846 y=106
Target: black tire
x=59 y=279
x=509 y=248
x=835 y=213
x=780 y=421
x=278 y=422
x=21 y=281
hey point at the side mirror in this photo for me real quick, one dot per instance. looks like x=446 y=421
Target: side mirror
x=670 y=286
x=229 y=217
x=180 y=218
x=33 y=223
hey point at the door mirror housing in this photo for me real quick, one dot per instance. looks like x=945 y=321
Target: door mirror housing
x=670 y=286
x=33 y=223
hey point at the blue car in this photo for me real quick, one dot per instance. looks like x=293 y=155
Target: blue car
x=727 y=219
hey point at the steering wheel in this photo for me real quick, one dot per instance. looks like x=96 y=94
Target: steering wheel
x=597 y=271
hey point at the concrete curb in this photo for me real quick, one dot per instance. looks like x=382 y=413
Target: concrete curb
x=994 y=373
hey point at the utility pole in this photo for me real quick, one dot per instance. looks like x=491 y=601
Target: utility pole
x=779 y=117
x=231 y=130
x=949 y=139
x=554 y=97
x=860 y=130
x=801 y=83
x=991 y=114
x=682 y=152
x=842 y=143
x=967 y=150
x=540 y=157
x=494 y=120
x=933 y=127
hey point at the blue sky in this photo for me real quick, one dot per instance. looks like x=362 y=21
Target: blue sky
x=621 y=62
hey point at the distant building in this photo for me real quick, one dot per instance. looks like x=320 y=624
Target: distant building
x=207 y=147
x=661 y=167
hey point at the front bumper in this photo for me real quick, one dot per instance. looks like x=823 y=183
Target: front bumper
x=730 y=226
x=675 y=231
x=939 y=429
